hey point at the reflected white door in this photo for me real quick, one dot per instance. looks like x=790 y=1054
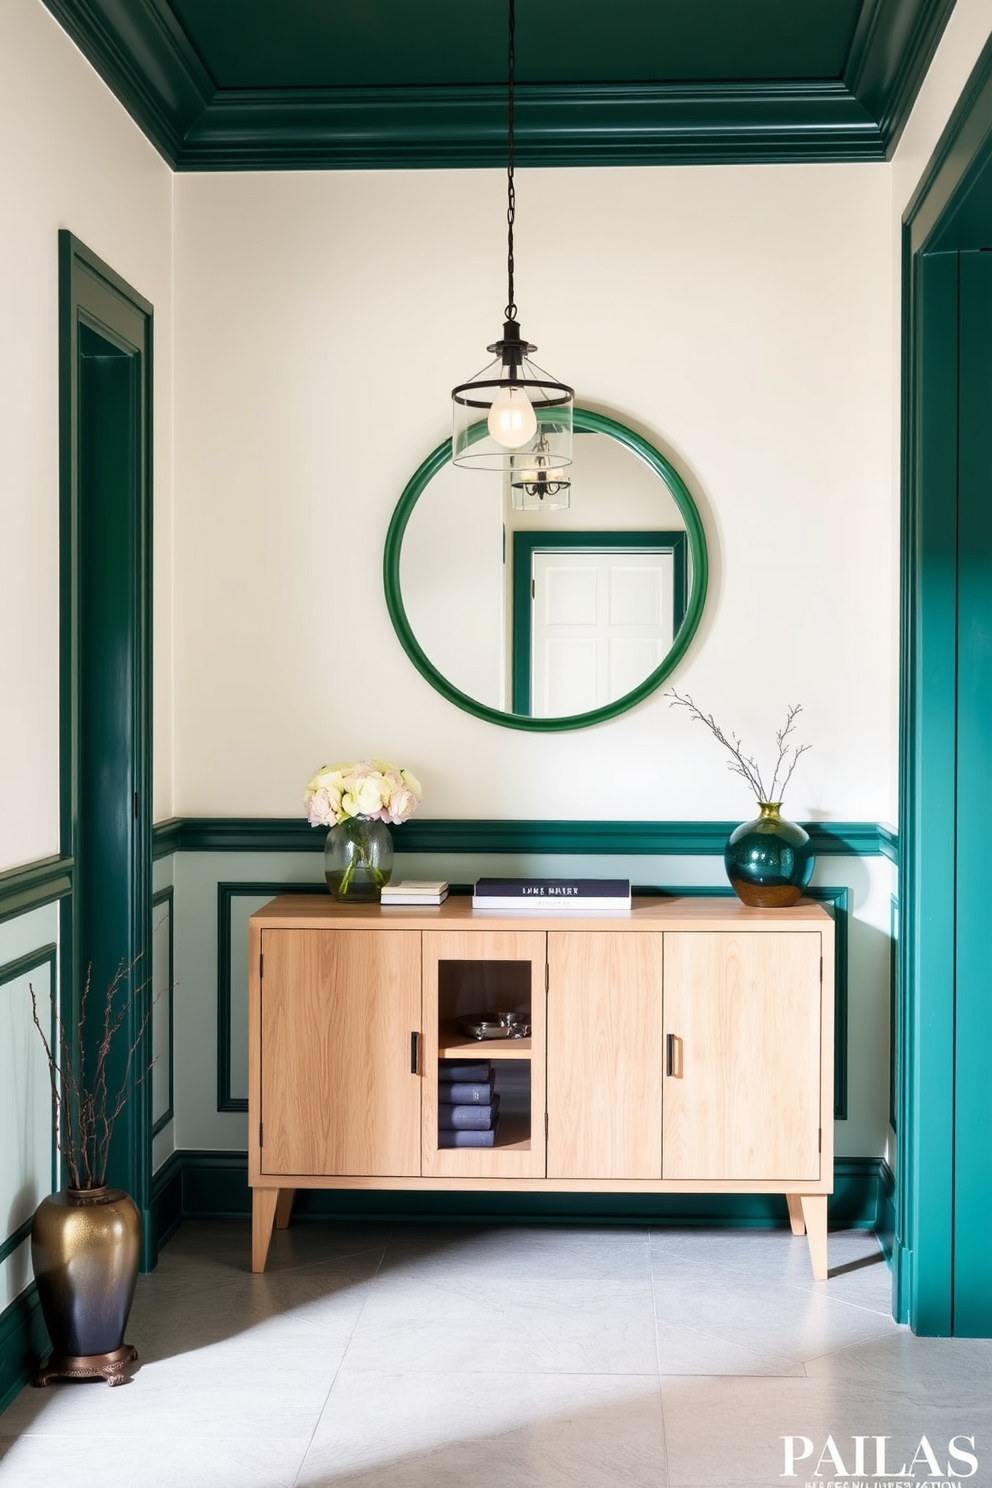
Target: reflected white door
x=601 y=623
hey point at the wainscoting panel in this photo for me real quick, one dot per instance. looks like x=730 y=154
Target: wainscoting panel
x=28 y=1169
x=217 y=891
x=163 y=1040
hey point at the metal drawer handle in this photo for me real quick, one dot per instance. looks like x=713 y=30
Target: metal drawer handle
x=415 y=1053
x=673 y=1056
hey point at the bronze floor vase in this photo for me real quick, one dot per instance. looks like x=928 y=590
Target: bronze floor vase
x=85 y=1248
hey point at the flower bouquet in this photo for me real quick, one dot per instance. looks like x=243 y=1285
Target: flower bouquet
x=358 y=803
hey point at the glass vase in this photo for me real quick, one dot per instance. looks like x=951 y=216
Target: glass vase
x=358 y=859
x=769 y=861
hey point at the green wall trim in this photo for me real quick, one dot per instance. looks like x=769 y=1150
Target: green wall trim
x=23 y=1344
x=959 y=154
x=27 y=888
x=44 y=956
x=8 y=1246
x=226 y=893
x=146 y=59
x=215 y=1186
x=888 y=842
x=885 y=1223
x=166 y=1200
x=167 y=896
x=166 y=837
x=664 y=838
x=892 y=48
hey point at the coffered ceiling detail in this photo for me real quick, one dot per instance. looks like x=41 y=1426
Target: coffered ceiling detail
x=320 y=84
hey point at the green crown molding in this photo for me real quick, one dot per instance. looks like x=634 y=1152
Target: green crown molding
x=681 y=838
x=960 y=155
x=556 y=125
x=892 y=48
x=145 y=57
x=27 y=888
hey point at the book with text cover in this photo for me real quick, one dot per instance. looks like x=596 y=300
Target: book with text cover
x=552 y=894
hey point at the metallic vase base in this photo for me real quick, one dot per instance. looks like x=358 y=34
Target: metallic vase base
x=767 y=896
x=111 y=1367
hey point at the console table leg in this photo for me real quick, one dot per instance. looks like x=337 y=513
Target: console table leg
x=815 y=1215
x=263 y=1213
x=796 y=1220
x=284 y=1207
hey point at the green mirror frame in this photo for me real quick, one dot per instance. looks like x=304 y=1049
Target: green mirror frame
x=585 y=421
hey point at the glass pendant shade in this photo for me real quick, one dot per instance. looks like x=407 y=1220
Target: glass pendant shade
x=506 y=413
x=540 y=486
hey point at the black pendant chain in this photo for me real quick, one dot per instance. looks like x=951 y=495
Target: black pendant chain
x=511 y=196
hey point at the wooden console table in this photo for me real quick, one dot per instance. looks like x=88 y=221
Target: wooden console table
x=685 y=1047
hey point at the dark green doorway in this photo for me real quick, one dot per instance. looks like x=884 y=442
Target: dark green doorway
x=944 y=1171
x=105 y=434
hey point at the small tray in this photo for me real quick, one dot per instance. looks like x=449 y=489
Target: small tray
x=491 y=1026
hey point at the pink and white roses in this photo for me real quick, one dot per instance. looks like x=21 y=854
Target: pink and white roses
x=371 y=788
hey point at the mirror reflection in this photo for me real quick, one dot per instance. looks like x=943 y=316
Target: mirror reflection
x=548 y=614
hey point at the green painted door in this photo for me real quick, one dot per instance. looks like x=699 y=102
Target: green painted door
x=972 y=1266
x=105 y=447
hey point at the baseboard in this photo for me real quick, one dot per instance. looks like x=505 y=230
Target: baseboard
x=23 y=1343
x=215 y=1186
x=166 y=1208
x=885 y=1223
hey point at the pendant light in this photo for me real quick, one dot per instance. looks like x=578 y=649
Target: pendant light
x=541 y=487
x=512 y=416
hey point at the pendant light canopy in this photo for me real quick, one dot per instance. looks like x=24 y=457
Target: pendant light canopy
x=511 y=415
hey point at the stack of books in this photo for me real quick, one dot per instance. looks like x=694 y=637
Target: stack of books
x=551 y=894
x=415 y=891
x=468 y=1106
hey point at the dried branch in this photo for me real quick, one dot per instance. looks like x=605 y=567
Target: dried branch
x=85 y=1113
x=744 y=764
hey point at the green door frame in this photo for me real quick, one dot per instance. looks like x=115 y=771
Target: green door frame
x=944 y=1178
x=527 y=542
x=105 y=433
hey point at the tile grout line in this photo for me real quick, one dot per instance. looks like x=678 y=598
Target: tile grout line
x=344 y=1355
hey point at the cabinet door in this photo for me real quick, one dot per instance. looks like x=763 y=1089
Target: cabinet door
x=742 y=1095
x=605 y=1055
x=338 y=1008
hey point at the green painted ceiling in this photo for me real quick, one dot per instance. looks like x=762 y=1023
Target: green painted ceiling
x=288 y=84
x=316 y=44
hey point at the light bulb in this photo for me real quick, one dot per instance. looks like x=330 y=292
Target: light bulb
x=512 y=420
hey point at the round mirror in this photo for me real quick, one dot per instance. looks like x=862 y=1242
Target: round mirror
x=548 y=619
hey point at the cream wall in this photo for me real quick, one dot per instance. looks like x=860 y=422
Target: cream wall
x=967 y=31
x=73 y=159
x=739 y=317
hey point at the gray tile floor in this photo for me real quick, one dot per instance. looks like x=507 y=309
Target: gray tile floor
x=444 y=1356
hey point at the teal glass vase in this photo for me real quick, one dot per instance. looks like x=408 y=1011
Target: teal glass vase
x=358 y=859
x=769 y=861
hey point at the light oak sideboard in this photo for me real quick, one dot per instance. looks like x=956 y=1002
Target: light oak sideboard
x=685 y=1047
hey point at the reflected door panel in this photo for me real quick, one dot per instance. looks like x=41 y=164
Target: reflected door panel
x=601 y=622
